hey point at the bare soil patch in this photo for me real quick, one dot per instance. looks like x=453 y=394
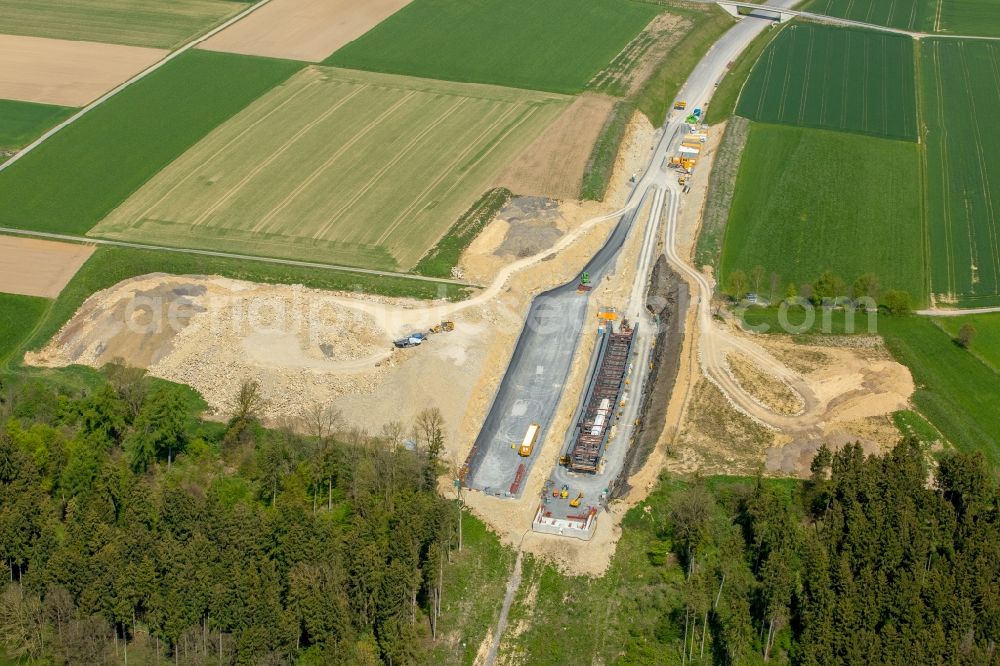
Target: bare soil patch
x=307 y=30
x=634 y=64
x=57 y=71
x=769 y=390
x=553 y=165
x=33 y=267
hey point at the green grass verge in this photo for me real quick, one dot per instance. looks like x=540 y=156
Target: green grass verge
x=556 y=45
x=444 y=256
x=23 y=122
x=912 y=424
x=18 y=317
x=727 y=94
x=74 y=179
x=658 y=94
x=473 y=588
x=835 y=78
x=597 y=175
x=110 y=265
x=810 y=200
x=986 y=342
x=721 y=190
x=798 y=320
x=956 y=391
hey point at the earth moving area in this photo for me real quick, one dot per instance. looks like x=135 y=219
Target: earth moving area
x=383 y=188
x=66 y=73
x=32 y=267
x=302 y=29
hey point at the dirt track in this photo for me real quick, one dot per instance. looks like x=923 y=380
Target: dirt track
x=56 y=71
x=39 y=268
x=307 y=30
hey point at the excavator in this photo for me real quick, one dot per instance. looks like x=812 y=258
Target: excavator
x=576 y=502
x=443 y=327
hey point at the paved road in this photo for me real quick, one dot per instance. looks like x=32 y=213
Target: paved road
x=532 y=386
x=141 y=75
x=540 y=363
x=935 y=312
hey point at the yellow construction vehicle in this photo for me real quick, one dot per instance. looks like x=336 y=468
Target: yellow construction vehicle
x=443 y=327
x=576 y=502
x=564 y=493
x=564 y=460
x=680 y=106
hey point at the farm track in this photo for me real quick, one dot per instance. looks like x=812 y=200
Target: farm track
x=229 y=255
x=138 y=77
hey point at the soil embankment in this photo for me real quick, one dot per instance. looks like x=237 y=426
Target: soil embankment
x=667 y=299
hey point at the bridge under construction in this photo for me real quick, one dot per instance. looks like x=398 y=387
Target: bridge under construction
x=593 y=426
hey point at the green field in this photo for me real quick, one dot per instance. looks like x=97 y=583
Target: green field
x=23 y=122
x=18 y=317
x=986 y=343
x=73 y=180
x=958 y=17
x=343 y=167
x=728 y=93
x=556 y=45
x=960 y=86
x=956 y=391
x=835 y=78
x=800 y=210
x=133 y=22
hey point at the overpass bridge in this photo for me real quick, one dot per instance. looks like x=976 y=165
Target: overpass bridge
x=743 y=9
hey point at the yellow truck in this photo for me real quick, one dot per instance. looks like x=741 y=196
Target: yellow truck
x=529 y=441
x=680 y=106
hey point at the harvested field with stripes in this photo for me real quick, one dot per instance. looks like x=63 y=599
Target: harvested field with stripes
x=835 y=78
x=960 y=84
x=131 y=22
x=338 y=166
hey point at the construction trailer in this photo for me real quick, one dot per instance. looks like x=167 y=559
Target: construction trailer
x=594 y=427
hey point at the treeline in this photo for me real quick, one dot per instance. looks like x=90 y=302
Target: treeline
x=131 y=531
x=827 y=286
x=877 y=560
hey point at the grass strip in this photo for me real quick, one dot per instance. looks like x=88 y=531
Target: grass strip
x=721 y=190
x=443 y=257
x=18 y=317
x=601 y=164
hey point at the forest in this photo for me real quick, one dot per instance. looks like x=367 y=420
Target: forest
x=132 y=531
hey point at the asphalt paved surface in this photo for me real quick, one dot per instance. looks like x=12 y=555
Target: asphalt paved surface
x=532 y=385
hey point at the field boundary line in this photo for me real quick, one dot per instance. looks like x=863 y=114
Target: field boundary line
x=138 y=77
x=230 y=255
